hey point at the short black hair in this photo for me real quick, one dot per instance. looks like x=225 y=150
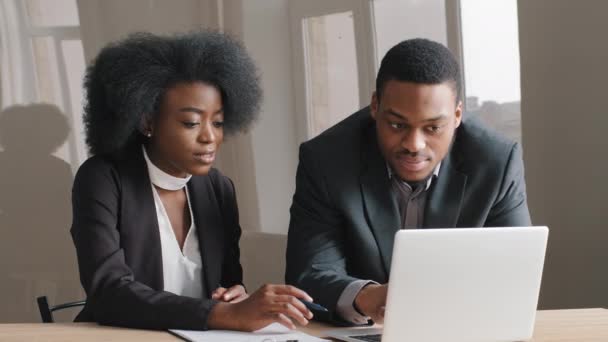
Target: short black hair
x=419 y=61
x=126 y=82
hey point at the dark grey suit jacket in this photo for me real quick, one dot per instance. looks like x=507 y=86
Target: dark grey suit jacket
x=344 y=215
x=115 y=231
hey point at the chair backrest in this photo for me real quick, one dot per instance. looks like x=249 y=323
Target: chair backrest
x=262 y=258
x=46 y=311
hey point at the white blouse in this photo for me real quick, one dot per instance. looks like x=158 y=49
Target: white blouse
x=182 y=269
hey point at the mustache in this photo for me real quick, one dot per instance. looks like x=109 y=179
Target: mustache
x=408 y=153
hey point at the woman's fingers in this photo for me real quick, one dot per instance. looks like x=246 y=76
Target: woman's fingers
x=293 y=291
x=283 y=320
x=240 y=298
x=233 y=292
x=281 y=303
x=239 y=294
x=217 y=293
x=295 y=303
x=291 y=312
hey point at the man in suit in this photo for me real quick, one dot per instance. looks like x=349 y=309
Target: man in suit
x=409 y=160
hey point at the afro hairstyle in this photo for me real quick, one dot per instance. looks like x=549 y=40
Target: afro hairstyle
x=126 y=82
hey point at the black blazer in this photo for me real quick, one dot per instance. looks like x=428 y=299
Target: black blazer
x=344 y=216
x=115 y=231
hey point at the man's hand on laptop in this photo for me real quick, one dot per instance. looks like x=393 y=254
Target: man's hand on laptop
x=371 y=301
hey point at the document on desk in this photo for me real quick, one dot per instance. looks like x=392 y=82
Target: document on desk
x=272 y=333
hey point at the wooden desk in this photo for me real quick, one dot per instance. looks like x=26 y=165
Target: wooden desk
x=588 y=325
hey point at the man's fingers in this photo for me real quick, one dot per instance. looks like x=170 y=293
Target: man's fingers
x=378 y=315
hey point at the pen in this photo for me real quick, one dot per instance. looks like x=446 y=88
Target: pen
x=313 y=306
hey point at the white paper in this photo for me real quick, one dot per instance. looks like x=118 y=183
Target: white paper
x=275 y=332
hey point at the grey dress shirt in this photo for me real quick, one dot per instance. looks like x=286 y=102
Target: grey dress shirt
x=411 y=208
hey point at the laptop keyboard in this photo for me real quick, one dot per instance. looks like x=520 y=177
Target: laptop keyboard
x=367 y=338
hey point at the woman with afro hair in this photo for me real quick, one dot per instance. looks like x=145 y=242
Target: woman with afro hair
x=156 y=228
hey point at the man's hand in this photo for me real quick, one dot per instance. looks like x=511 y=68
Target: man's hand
x=269 y=304
x=371 y=301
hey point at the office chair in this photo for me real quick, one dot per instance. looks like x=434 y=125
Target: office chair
x=46 y=311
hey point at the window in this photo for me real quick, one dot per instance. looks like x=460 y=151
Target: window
x=331 y=69
x=42 y=61
x=490 y=46
x=334 y=61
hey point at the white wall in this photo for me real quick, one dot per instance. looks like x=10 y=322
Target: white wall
x=564 y=82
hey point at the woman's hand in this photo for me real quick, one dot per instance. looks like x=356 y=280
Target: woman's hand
x=269 y=304
x=233 y=294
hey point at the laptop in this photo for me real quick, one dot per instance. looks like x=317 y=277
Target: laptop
x=460 y=284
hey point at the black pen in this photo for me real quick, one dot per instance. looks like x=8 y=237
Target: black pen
x=313 y=306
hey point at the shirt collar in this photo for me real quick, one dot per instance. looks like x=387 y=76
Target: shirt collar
x=428 y=182
x=162 y=179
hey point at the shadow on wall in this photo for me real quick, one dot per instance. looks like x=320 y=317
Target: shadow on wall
x=36 y=253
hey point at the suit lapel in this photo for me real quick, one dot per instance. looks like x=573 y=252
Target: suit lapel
x=379 y=202
x=139 y=229
x=445 y=200
x=206 y=213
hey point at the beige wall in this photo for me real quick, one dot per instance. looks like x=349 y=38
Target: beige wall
x=564 y=76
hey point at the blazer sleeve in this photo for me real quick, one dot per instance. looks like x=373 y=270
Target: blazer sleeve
x=232 y=272
x=316 y=261
x=114 y=296
x=511 y=207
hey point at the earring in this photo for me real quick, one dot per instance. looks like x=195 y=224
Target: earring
x=149 y=134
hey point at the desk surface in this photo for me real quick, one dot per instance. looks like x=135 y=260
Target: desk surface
x=587 y=325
